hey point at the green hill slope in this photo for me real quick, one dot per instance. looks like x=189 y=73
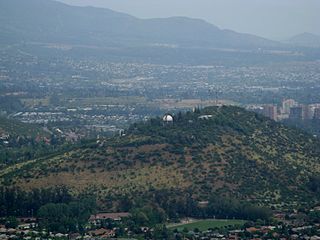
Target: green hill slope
x=226 y=150
x=16 y=128
x=21 y=142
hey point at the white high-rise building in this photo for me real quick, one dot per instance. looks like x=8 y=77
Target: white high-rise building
x=287 y=104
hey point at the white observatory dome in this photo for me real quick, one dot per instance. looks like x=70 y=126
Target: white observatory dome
x=167 y=118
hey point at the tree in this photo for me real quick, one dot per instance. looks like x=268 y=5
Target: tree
x=160 y=232
x=62 y=217
x=55 y=217
x=148 y=216
x=314 y=184
x=11 y=222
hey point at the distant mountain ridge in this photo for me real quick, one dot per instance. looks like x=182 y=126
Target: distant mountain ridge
x=55 y=22
x=305 y=40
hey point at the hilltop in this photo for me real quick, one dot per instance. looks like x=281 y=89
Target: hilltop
x=305 y=40
x=222 y=150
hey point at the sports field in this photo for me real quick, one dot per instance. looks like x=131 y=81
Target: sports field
x=204 y=225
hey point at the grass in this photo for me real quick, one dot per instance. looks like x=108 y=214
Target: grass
x=88 y=102
x=204 y=225
x=119 y=181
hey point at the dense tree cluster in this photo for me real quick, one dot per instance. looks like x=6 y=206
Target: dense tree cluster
x=314 y=184
x=66 y=217
x=59 y=211
x=16 y=202
x=23 y=149
x=311 y=126
x=221 y=207
x=10 y=104
x=162 y=204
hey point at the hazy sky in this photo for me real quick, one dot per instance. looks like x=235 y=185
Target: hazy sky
x=275 y=19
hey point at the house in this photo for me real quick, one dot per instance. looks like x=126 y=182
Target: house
x=108 y=235
x=279 y=216
x=4 y=136
x=205 y=117
x=60 y=235
x=233 y=237
x=203 y=204
x=27 y=219
x=25 y=226
x=111 y=216
x=144 y=229
x=103 y=233
x=74 y=236
x=315 y=238
x=252 y=229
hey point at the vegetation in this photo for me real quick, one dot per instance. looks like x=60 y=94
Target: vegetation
x=11 y=222
x=222 y=151
x=16 y=128
x=235 y=161
x=203 y=225
x=65 y=218
x=15 y=202
x=311 y=126
x=20 y=142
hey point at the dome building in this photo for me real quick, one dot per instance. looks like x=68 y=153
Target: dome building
x=167 y=118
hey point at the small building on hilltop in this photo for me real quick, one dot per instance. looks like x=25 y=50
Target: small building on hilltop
x=168 y=119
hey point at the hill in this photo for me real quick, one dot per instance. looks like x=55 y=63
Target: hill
x=21 y=142
x=54 y=22
x=227 y=151
x=15 y=128
x=305 y=40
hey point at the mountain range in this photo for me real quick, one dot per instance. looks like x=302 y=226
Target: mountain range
x=305 y=40
x=46 y=21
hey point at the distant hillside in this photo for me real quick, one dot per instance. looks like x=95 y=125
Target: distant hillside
x=21 y=142
x=305 y=40
x=53 y=22
x=15 y=128
x=226 y=150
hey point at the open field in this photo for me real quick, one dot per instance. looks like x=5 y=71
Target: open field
x=88 y=102
x=31 y=102
x=204 y=225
